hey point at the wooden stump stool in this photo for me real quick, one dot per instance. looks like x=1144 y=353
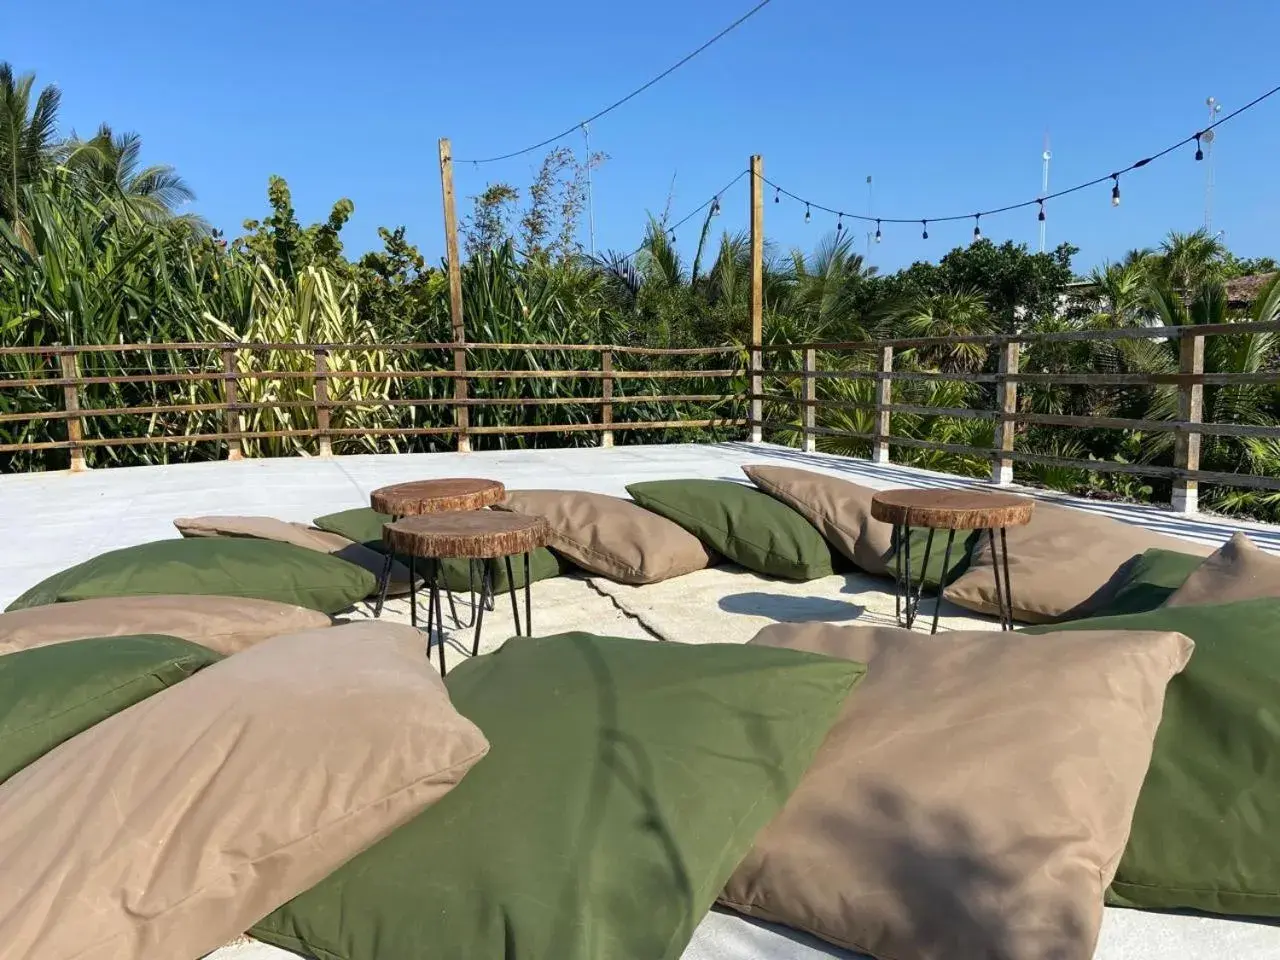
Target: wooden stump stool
x=949 y=510
x=483 y=535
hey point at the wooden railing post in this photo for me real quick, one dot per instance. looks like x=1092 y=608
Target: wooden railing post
x=808 y=409
x=231 y=396
x=322 y=402
x=1006 y=427
x=71 y=402
x=1186 y=442
x=756 y=359
x=461 y=413
x=884 y=397
x=606 y=392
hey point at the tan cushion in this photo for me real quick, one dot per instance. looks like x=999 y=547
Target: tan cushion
x=612 y=537
x=300 y=535
x=1240 y=570
x=1061 y=564
x=839 y=509
x=172 y=827
x=224 y=624
x=973 y=798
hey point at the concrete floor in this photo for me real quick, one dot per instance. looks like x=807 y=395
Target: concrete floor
x=50 y=521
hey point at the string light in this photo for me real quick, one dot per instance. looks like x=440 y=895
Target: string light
x=807 y=216
x=977 y=227
x=924 y=234
x=715 y=207
x=1115 y=190
x=877 y=231
x=839 y=222
x=1040 y=217
x=777 y=196
x=1199 y=149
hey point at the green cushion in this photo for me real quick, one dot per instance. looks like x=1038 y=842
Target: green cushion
x=625 y=781
x=49 y=694
x=1206 y=832
x=364 y=525
x=219 y=566
x=1145 y=583
x=961 y=550
x=746 y=526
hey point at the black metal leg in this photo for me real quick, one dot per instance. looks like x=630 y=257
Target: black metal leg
x=511 y=589
x=906 y=547
x=995 y=572
x=486 y=588
x=942 y=581
x=1008 y=586
x=924 y=570
x=432 y=599
x=528 y=596
x=384 y=583
x=439 y=605
x=897 y=576
x=413 y=594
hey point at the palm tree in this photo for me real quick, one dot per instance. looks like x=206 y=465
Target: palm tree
x=27 y=134
x=110 y=165
x=955 y=313
x=1187 y=261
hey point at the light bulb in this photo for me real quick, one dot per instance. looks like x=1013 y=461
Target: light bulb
x=777 y=196
x=1040 y=217
x=1199 y=149
x=924 y=235
x=839 y=223
x=877 y=231
x=1115 y=191
x=807 y=216
x=977 y=230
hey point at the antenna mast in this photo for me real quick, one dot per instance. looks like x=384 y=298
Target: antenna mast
x=591 y=206
x=1207 y=139
x=1045 y=157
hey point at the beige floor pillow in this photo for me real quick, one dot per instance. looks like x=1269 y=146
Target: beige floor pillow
x=973 y=799
x=1061 y=564
x=173 y=826
x=1240 y=570
x=300 y=535
x=612 y=537
x=224 y=624
x=839 y=509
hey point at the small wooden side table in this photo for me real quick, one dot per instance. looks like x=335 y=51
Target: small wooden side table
x=483 y=535
x=949 y=510
x=422 y=497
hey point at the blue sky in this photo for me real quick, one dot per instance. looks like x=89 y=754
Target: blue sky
x=944 y=104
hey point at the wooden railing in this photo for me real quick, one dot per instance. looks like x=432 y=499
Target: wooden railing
x=227 y=371
x=1188 y=428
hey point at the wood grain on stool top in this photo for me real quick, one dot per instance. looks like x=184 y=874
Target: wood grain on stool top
x=436 y=496
x=478 y=534
x=951 y=509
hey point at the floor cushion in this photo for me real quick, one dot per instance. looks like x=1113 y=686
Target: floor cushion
x=229 y=793
x=223 y=624
x=50 y=694
x=625 y=780
x=300 y=535
x=612 y=537
x=364 y=526
x=222 y=566
x=839 y=509
x=972 y=799
x=1240 y=570
x=1147 y=582
x=1060 y=564
x=1206 y=832
x=741 y=523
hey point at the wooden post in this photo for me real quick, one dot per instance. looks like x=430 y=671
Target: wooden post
x=322 y=401
x=71 y=402
x=884 y=397
x=231 y=396
x=606 y=391
x=1186 y=443
x=757 y=298
x=1006 y=429
x=461 y=420
x=808 y=410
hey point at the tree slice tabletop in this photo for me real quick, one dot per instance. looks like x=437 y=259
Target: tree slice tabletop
x=951 y=509
x=475 y=534
x=420 y=497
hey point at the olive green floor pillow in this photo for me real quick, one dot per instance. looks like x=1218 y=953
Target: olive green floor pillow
x=625 y=781
x=1206 y=831
x=962 y=548
x=49 y=694
x=364 y=525
x=229 y=567
x=741 y=523
x=1145 y=583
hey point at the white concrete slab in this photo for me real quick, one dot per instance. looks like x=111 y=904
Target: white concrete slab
x=50 y=521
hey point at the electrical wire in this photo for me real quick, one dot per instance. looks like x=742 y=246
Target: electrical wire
x=630 y=96
x=690 y=215
x=1041 y=200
